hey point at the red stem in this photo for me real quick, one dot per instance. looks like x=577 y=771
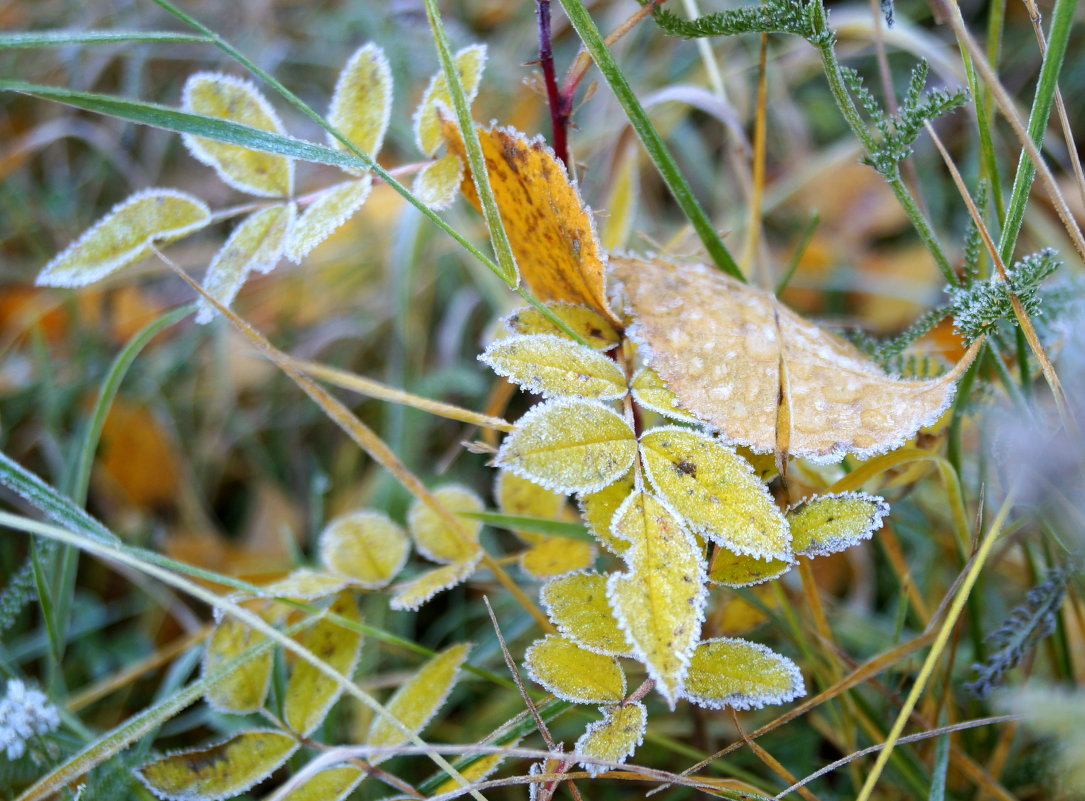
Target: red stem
x=559 y=112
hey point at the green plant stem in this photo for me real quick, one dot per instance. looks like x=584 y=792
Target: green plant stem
x=18 y=39
x=649 y=137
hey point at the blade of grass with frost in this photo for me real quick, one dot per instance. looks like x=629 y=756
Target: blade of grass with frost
x=123 y=554
x=653 y=144
x=21 y=39
x=542 y=525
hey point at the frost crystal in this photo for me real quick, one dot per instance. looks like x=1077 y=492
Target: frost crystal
x=24 y=712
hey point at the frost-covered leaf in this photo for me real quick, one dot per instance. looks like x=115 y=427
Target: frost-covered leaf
x=244 y=688
x=256 y=244
x=554 y=366
x=742 y=570
x=218 y=771
x=598 y=509
x=417 y=701
x=556 y=555
x=304 y=585
x=425 y=585
x=427 y=123
x=330 y=209
x=827 y=524
x=216 y=94
x=477 y=771
x=593 y=327
x=650 y=392
x=615 y=737
x=577 y=604
x=438 y=183
x=735 y=615
x=659 y=602
x=310 y=693
x=125 y=235
x=716 y=491
x=362 y=101
x=367 y=545
x=740 y=674
x=434 y=538
x=573 y=673
x=329 y=784
x=515 y=495
x=569 y=446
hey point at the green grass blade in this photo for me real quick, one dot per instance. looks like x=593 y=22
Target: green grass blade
x=19 y=39
x=50 y=502
x=541 y=525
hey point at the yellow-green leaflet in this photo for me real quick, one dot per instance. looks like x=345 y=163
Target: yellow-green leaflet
x=330 y=210
x=659 y=602
x=418 y=700
x=362 y=101
x=434 y=538
x=593 y=327
x=427 y=124
x=438 y=183
x=569 y=445
x=304 y=585
x=125 y=235
x=556 y=555
x=555 y=367
x=330 y=784
x=716 y=491
x=615 y=737
x=219 y=771
x=740 y=570
x=367 y=545
x=424 y=586
x=245 y=688
x=478 y=770
x=310 y=694
x=577 y=604
x=515 y=495
x=826 y=524
x=573 y=673
x=216 y=94
x=650 y=392
x=256 y=244
x=599 y=507
x=740 y=674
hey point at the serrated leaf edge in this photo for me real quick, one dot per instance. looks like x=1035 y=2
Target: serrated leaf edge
x=486 y=357
x=551 y=304
x=670 y=414
x=877 y=520
x=563 y=629
x=594 y=768
x=469 y=566
x=557 y=692
x=744 y=702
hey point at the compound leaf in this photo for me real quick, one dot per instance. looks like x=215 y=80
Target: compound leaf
x=427 y=121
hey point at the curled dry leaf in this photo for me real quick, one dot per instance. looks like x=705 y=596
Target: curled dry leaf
x=554 y=366
x=433 y=536
x=438 y=182
x=427 y=120
x=827 y=524
x=740 y=674
x=577 y=604
x=218 y=771
x=556 y=555
x=330 y=784
x=367 y=545
x=125 y=235
x=615 y=737
x=330 y=209
x=424 y=586
x=573 y=673
x=741 y=361
x=569 y=446
x=593 y=327
x=216 y=94
x=362 y=101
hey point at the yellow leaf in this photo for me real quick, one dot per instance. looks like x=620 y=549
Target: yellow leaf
x=216 y=94
x=573 y=673
x=577 y=604
x=425 y=585
x=367 y=545
x=434 y=538
x=305 y=585
x=218 y=771
x=659 y=603
x=417 y=701
x=125 y=235
x=516 y=495
x=720 y=344
x=598 y=509
x=650 y=392
x=615 y=737
x=243 y=689
x=477 y=771
x=329 y=784
x=256 y=244
x=438 y=182
x=427 y=122
x=569 y=446
x=735 y=615
x=310 y=693
x=362 y=101
x=556 y=555
x=621 y=202
x=330 y=209
x=554 y=366
x=550 y=230
x=826 y=524
x=593 y=327
x=716 y=491
x=742 y=570
x=740 y=674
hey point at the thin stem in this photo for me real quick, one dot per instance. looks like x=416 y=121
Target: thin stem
x=559 y=113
